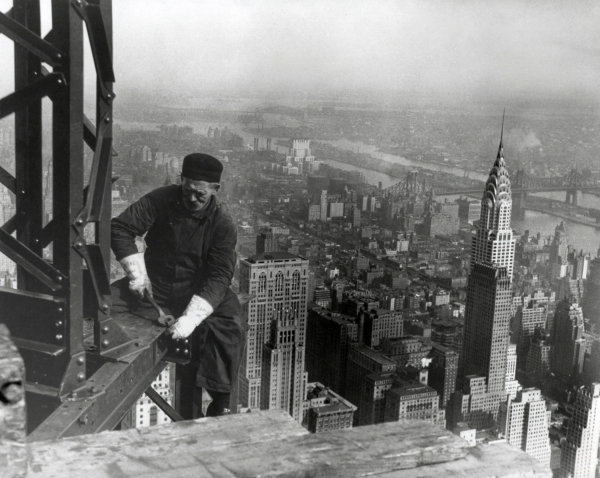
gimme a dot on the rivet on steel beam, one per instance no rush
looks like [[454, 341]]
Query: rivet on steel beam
[[105, 330], [186, 351], [79, 222], [80, 360], [59, 337], [185, 341], [177, 350], [60, 309], [107, 120], [105, 343], [80, 377], [59, 81], [59, 278], [23, 192], [58, 323], [58, 57], [78, 244], [12, 392], [104, 306]]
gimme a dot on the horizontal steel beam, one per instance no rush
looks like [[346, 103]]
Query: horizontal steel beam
[[113, 386]]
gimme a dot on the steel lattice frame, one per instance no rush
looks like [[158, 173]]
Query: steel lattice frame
[[72, 388]]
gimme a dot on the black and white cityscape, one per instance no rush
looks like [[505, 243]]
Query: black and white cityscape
[[416, 192]]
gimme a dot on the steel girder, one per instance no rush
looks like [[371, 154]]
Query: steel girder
[[121, 356]]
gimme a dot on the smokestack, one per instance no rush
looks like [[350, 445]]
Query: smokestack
[[268, 144], [256, 145]]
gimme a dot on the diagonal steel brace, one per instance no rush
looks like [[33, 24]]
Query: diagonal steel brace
[[91, 13], [34, 92], [44, 50], [8, 180], [98, 176], [30, 261]]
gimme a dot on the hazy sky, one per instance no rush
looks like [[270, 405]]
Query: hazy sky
[[492, 47]]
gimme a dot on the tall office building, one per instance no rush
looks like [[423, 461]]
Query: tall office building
[[363, 361], [300, 156], [493, 241], [276, 338], [328, 338], [591, 296], [528, 317], [569, 343], [483, 360], [442, 371], [524, 422], [579, 455], [283, 378]]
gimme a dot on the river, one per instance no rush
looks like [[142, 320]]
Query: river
[[581, 237]]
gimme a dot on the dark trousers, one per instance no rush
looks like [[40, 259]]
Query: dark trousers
[[218, 345]]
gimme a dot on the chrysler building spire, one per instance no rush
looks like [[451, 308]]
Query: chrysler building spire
[[494, 242]]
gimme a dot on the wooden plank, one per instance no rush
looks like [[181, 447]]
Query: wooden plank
[[272, 444], [13, 452], [498, 460]]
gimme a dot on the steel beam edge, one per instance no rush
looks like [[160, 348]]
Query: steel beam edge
[[111, 390]]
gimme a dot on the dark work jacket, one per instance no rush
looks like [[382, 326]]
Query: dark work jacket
[[190, 253], [187, 252]]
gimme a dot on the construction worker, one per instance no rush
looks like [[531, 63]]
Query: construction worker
[[187, 267]]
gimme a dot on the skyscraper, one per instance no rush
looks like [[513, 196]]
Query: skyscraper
[[276, 339], [493, 242], [579, 456], [483, 361], [524, 423], [569, 342]]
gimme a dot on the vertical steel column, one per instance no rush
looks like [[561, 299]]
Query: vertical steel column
[[67, 137], [28, 145]]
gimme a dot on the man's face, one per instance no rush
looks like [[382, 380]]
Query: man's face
[[196, 194]]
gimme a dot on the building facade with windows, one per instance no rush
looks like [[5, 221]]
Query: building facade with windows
[[277, 317]]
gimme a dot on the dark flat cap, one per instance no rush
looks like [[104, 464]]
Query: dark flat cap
[[202, 167]]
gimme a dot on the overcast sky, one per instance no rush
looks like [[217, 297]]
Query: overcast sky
[[494, 47]]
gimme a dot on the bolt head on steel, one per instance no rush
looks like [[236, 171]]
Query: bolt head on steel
[[107, 120], [80, 377], [104, 306], [186, 351], [59, 323], [79, 222], [105, 343], [105, 330], [80, 361], [59, 337], [177, 350], [12, 392]]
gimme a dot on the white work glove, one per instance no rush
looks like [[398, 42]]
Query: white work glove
[[197, 310], [135, 268]]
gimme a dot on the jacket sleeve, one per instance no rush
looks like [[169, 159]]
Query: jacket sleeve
[[220, 263], [134, 221]]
